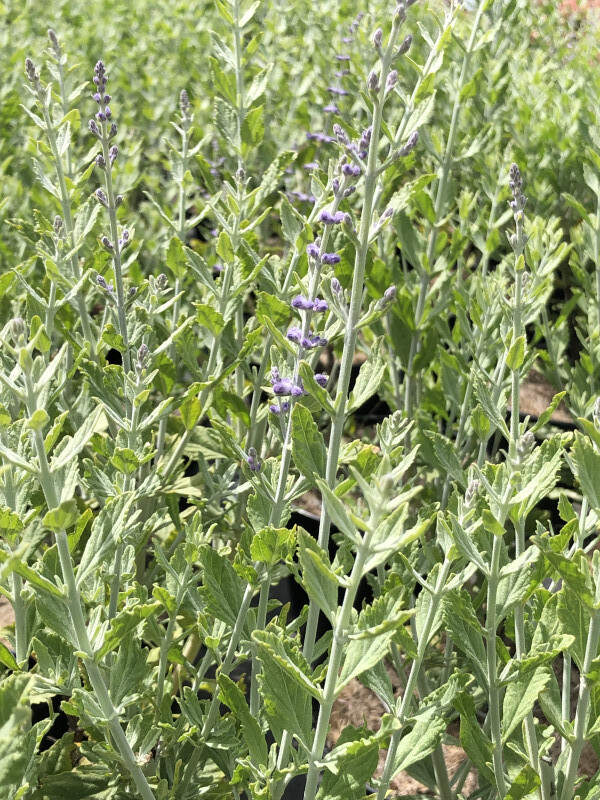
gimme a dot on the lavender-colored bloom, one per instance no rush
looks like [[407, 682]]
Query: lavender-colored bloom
[[390, 294], [252, 460], [294, 334], [336, 286], [101, 198], [97, 97], [410, 145], [331, 108], [113, 153], [332, 219], [100, 116], [302, 197], [112, 130], [282, 387], [321, 379], [107, 244], [342, 57], [351, 170], [340, 73], [365, 139], [311, 165], [320, 305], [297, 391], [218, 268], [162, 281], [330, 258], [282, 408], [302, 303], [101, 281], [184, 103], [335, 185], [337, 91], [377, 38], [350, 190], [346, 40], [275, 376], [340, 134], [100, 162], [93, 127], [392, 80], [312, 251], [373, 82], [32, 74]]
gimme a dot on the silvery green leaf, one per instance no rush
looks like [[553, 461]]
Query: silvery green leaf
[[71, 446]]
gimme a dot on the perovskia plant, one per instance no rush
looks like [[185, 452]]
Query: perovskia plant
[[324, 285]]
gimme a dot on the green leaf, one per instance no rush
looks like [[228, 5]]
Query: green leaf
[[575, 620], [516, 354], [251, 731], [209, 318], [125, 624], [520, 697], [370, 376], [445, 454], [272, 307], [253, 127], [271, 545], [318, 578], [337, 512], [349, 766], [585, 461], [421, 741], [462, 624], [191, 408], [222, 587], [15, 722], [176, 258], [62, 517], [308, 447], [285, 686], [71, 446], [524, 784], [125, 460], [490, 409], [38, 420], [291, 224], [474, 740]]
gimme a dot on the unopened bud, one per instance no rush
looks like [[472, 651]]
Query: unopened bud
[[471, 493], [377, 38]]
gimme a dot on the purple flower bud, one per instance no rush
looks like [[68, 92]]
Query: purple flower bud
[[330, 258], [311, 165], [101, 198], [365, 139], [100, 280], [97, 97], [347, 39], [301, 302], [93, 127], [108, 112], [321, 379], [252, 460], [31, 72], [341, 73], [320, 305], [351, 170], [113, 153], [377, 38], [184, 103], [161, 281], [274, 409], [390, 294], [100, 116], [107, 244], [373, 82], [343, 57], [297, 391], [350, 190], [335, 185], [275, 376], [336, 286], [112, 131], [405, 46], [392, 80], [331, 108], [107, 98], [294, 334], [100, 162], [337, 91], [118, 200], [313, 252], [96, 80], [410, 145]]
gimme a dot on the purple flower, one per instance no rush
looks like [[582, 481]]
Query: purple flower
[[320, 305], [390, 294], [330, 258], [337, 91], [346, 40], [343, 56], [283, 408], [352, 170], [309, 342], [321, 379], [335, 185], [332, 219], [405, 46], [301, 302], [331, 108], [282, 387], [113, 153], [336, 286], [365, 139], [340, 133], [97, 97], [312, 165], [341, 73], [392, 79], [252, 460], [297, 391], [411, 143], [312, 250], [377, 38], [349, 190], [93, 127], [100, 162], [294, 334]]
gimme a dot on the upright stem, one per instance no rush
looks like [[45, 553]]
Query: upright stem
[[439, 203], [415, 669], [494, 693], [74, 603]]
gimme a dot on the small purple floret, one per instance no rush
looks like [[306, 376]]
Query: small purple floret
[[330, 258], [312, 250], [352, 170], [320, 305], [321, 379], [301, 302]]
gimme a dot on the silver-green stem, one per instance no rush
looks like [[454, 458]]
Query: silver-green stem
[[166, 642], [583, 703], [74, 604], [65, 203], [494, 693], [411, 684], [439, 202]]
